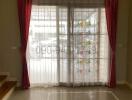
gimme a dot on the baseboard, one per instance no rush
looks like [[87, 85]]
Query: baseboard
[[18, 84], [5, 73], [11, 79], [129, 85], [14, 79], [121, 82], [124, 83]]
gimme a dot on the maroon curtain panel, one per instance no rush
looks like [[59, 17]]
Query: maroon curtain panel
[[111, 8], [24, 13]]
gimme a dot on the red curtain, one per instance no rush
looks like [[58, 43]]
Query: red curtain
[[24, 13], [111, 7]]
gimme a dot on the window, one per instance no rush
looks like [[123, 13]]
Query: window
[[67, 45]]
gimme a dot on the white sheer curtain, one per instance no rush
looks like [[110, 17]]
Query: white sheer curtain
[[67, 46]]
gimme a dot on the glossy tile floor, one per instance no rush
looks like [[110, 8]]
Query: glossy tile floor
[[122, 92]]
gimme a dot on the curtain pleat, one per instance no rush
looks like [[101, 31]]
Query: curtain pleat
[[24, 12], [111, 7]]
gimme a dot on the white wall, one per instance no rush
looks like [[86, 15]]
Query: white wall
[[129, 70], [9, 37], [122, 32]]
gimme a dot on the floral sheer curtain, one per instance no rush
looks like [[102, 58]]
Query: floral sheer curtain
[[89, 47], [67, 46]]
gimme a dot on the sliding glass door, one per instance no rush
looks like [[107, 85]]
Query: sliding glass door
[[67, 46], [89, 49]]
